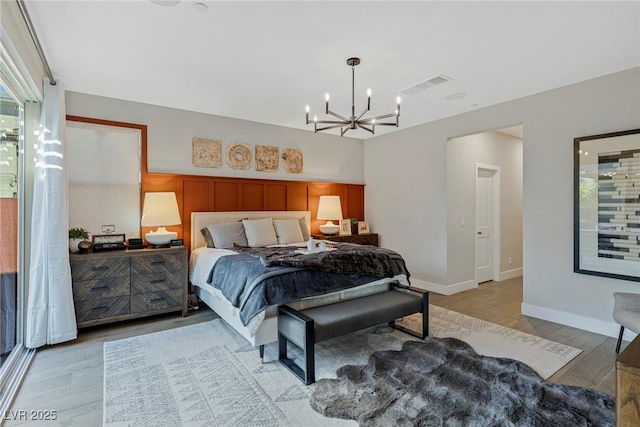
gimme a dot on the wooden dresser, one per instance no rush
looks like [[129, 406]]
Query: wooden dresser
[[120, 285], [361, 239], [628, 386]]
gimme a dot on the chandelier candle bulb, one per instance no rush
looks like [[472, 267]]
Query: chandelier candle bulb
[[307, 113]]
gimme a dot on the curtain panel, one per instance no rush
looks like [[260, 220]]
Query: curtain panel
[[50, 311]]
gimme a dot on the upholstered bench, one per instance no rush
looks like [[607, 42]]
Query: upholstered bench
[[306, 327]]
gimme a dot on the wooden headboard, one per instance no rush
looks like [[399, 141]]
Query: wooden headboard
[[200, 220], [225, 195]]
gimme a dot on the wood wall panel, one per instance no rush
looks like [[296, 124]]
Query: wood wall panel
[[297, 197], [226, 196], [275, 197], [196, 195], [353, 205], [220, 194], [252, 196]]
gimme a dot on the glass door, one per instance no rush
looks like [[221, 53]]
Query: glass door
[[11, 113]]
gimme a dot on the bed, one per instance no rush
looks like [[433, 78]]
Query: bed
[[262, 328]]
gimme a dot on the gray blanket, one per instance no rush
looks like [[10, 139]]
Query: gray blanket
[[346, 258], [257, 278]]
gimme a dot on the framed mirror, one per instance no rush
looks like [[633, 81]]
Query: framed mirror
[[104, 167]]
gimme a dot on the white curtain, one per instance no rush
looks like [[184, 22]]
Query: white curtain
[[50, 313]]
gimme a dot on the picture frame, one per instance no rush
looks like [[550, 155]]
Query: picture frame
[[606, 191], [345, 227], [363, 227]]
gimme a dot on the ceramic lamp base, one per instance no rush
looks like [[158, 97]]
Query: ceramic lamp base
[[329, 229], [161, 237]]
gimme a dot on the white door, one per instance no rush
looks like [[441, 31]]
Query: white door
[[484, 225]]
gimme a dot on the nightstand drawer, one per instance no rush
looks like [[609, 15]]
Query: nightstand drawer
[[141, 283], [92, 269], [102, 308], [158, 300], [156, 263], [86, 290]]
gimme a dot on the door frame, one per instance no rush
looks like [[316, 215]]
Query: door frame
[[495, 220]]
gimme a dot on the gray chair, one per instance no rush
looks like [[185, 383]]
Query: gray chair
[[626, 311]]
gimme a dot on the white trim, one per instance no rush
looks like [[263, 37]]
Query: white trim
[[16, 72], [495, 218], [18, 363], [610, 329], [443, 289], [510, 274]]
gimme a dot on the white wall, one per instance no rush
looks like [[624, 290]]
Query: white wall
[[170, 131], [505, 152], [406, 198]]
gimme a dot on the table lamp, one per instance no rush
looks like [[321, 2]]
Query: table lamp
[[329, 208], [160, 209]]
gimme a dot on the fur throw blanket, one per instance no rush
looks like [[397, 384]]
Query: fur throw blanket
[[443, 382]]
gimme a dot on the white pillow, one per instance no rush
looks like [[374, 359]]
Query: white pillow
[[225, 235], [260, 232], [288, 231]]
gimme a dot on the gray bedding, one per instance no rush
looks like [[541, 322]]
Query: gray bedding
[[256, 278]]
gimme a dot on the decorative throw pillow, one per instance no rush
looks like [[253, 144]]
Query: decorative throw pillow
[[288, 231], [260, 232], [227, 235], [207, 237], [304, 229]]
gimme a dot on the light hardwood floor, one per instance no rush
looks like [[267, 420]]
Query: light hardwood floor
[[68, 378]]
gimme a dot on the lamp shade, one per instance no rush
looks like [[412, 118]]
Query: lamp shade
[[160, 209], [329, 208]]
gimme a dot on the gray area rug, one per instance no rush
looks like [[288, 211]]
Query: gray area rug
[[207, 374], [443, 382]]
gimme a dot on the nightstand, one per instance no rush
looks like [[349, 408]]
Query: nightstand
[[360, 239], [120, 285]]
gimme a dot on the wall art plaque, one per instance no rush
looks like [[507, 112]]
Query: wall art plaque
[[239, 155], [207, 153], [266, 158], [293, 160]]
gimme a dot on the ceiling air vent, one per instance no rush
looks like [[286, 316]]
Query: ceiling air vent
[[426, 84]]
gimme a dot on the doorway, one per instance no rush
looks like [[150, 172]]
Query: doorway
[[487, 203]]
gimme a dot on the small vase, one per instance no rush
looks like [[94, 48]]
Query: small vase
[[354, 228], [84, 247]]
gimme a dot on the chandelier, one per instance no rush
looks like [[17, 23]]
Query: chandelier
[[354, 122]]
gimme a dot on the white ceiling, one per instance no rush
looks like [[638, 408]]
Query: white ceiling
[[264, 61]]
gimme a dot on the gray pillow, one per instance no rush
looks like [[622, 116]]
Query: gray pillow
[[304, 229], [227, 235], [207, 237]]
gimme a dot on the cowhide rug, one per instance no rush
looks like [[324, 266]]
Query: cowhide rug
[[443, 382]]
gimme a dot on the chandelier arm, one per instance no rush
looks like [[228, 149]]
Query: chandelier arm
[[334, 122], [362, 114], [383, 116], [339, 116], [330, 127], [365, 128], [386, 124]]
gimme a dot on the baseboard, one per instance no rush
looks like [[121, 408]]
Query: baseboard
[[510, 274], [610, 329], [443, 289]]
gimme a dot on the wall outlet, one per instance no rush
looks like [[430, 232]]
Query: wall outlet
[[509, 260]]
